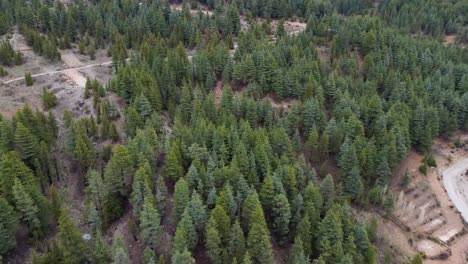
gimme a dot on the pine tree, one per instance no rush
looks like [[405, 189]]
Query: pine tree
[[181, 199], [267, 193], [118, 170], [138, 188], [25, 143], [330, 235], [227, 201], [186, 235], [297, 252], [192, 176], [8, 224], [70, 241], [349, 168], [323, 145], [26, 206], [161, 195], [247, 259], [83, 149], [143, 106], [174, 169], [197, 211], [150, 229], [183, 257], [101, 250], [304, 232], [237, 241], [120, 257], [383, 170], [11, 168], [28, 79], [49, 100], [250, 204], [223, 223], [313, 202], [149, 257], [281, 214], [116, 176], [280, 31], [258, 244], [95, 191], [119, 250], [6, 137], [327, 188], [56, 202], [213, 242]]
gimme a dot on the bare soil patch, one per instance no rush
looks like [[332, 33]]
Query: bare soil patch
[[424, 208], [450, 39]]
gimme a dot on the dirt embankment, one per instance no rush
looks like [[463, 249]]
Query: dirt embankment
[[426, 209]]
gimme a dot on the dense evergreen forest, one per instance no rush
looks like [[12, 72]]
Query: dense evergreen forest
[[234, 140]]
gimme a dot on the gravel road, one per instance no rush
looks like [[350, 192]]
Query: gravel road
[[456, 184]]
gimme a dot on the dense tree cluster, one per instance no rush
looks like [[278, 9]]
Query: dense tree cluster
[[222, 139], [431, 17], [27, 168], [8, 56]]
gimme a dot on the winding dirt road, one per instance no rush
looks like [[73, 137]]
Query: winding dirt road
[[60, 71]]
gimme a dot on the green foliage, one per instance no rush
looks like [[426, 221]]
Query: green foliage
[[174, 169], [417, 259], [8, 226], [423, 168], [25, 143], [213, 242], [281, 214], [101, 252], [3, 72], [119, 250], [27, 207], [183, 257], [297, 253], [181, 199], [258, 244], [354, 87], [70, 240], [28, 79], [406, 179], [116, 176], [429, 160], [8, 56], [49, 100], [91, 51], [150, 229]]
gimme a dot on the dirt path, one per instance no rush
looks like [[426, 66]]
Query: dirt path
[[64, 71], [456, 184]]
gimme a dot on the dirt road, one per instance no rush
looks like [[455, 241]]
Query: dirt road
[[456, 184], [61, 71]]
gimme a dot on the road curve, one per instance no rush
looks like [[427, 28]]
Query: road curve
[[454, 184]]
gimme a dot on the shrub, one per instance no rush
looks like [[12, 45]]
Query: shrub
[[458, 143], [28, 79], [49, 100], [3, 72], [423, 168], [430, 161], [91, 50], [405, 180]]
